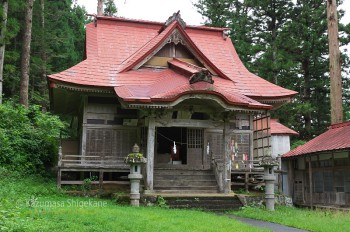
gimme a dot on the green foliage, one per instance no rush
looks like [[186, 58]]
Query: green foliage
[[135, 158], [53, 211], [297, 143], [28, 138], [110, 8], [87, 185], [161, 202], [286, 43], [310, 220], [58, 42], [242, 191]]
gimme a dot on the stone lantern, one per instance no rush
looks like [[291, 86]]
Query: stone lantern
[[269, 177], [135, 160]]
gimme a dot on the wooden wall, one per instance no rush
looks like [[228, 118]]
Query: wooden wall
[[330, 175]]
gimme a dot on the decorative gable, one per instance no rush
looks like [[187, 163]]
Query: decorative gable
[[193, 72], [175, 46]]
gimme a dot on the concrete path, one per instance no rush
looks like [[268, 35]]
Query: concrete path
[[266, 225]]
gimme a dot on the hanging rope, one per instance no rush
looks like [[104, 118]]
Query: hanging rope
[[170, 140]]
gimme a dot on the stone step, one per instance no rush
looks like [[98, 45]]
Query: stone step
[[185, 191], [184, 177], [200, 200], [209, 203], [183, 182], [171, 187], [182, 172], [219, 208]]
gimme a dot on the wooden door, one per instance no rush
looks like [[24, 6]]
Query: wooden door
[[195, 140]]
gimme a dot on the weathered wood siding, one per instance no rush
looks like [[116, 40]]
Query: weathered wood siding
[[330, 179]]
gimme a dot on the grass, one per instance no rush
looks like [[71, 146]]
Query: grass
[[34, 204], [311, 220]]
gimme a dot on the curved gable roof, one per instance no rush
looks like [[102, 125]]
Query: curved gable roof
[[115, 45]]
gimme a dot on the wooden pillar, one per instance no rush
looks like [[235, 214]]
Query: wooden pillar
[[150, 153], [280, 182], [246, 180], [84, 131], [310, 183], [227, 163], [59, 178], [280, 175], [291, 178], [59, 172], [100, 180]]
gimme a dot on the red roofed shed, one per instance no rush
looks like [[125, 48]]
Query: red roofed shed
[[160, 84], [329, 172]]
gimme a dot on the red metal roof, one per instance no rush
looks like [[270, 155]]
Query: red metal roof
[[166, 85], [280, 129], [337, 137], [115, 45]]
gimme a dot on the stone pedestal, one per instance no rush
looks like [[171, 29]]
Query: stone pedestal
[[269, 177], [269, 188], [135, 160], [135, 178]]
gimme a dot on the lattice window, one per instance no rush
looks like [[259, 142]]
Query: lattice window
[[347, 181], [216, 144], [262, 135], [194, 138], [318, 182], [109, 142], [328, 181], [240, 146]]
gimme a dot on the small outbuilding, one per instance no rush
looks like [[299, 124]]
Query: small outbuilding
[[319, 171], [280, 138]]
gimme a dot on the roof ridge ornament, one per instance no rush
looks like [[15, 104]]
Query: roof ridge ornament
[[175, 17], [202, 76]]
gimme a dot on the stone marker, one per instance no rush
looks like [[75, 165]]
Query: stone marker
[[135, 160]]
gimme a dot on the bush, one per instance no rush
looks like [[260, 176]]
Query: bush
[[28, 138]]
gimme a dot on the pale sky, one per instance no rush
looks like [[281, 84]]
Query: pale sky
[[160, 10], [153, 10]]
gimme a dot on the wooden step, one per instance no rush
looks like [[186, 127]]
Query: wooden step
[[184, 180]]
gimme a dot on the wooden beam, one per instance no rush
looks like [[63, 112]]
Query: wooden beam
[[208, 124], [100, 180], [150, 152], [334, 63], [310, 183], [290, 178], [246, 180], [227, 158], [59, 178], [83, 135]]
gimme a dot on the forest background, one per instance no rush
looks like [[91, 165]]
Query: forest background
[[283, 41]]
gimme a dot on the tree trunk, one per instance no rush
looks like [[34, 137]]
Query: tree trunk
[[43, 50], [334, 63], [100, 7], [2, 44], [25, 61]]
